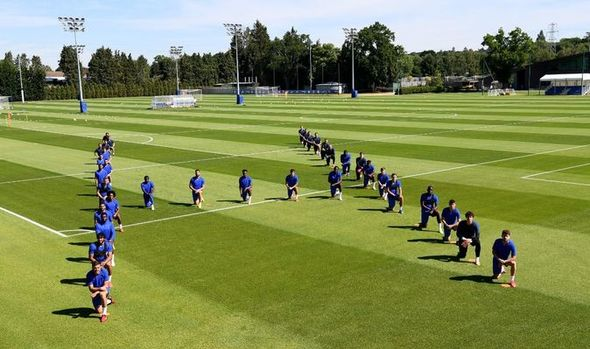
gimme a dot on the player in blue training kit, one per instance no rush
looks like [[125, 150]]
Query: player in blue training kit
[[291, 182], [245, 187], [345, 161], [394, 193], [101, 252], [361, 162], [197, 187], [103, 188], [99, 285], [369, 175], [468, 235], [112, 205], [302, 132], [105, 226], [504, 251], [382, 179], [102, 209], [429, 208], [335, 180], [451, 216], [148, 188], [329, 153]]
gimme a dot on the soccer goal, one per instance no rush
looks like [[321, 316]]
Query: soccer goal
[[4, 103], [173, 101], [197, 93], [266, 91]]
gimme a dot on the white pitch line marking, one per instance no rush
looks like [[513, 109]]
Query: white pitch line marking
[[86, 232], [37, 224], [553, 171], [556, 181]]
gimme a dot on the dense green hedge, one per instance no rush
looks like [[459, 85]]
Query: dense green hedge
[[422, 89], [150, 88]]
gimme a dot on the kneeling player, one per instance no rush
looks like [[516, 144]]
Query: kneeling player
[[394, 193], [468, 234], [197, 186], [98, 283], [335, 180], [345, 160], [147, 188], [101, 252], [504, 252], [291, 182], [245, 186], [451, 216], [382, 179]]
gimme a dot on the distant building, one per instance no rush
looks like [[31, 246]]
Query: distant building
[[563, 65], [55, 77]]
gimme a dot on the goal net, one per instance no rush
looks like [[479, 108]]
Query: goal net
[[265, 91], [4, 103], [173, 101], [197, 93]]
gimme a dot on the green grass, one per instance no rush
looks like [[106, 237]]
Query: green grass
[[317, 273]]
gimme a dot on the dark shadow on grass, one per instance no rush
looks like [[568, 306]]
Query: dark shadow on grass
[[321, 165], [232, 201], [367, 197], [76, 281], [79, 243], [88, 209], [409, 227], [78, 259], [88, 178], [185, 204], [322, 197], [444, 258], [134, 206], [278, 199], [87, 228], [431, 241], [75, 313], [382, 210], [87, 194], [485, 279]]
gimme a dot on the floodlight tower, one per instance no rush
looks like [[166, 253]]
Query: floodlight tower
[[309, 42], [20, 75], [176, 52], [352, 34], [74, 25], [235, 30]]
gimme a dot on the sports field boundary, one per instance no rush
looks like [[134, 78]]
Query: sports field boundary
[[37, 224]]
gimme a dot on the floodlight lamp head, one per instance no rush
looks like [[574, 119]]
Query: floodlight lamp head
[[233, 28], [72, 24]]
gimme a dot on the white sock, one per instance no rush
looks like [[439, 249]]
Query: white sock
[[104, 310], [512, 278]]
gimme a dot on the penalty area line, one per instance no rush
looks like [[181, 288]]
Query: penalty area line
[[37, 224]]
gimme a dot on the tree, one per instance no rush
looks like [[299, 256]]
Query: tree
[[256, 51], [67, 64], [142, 70], [9, 84], [325, 59], [102, 67], [507, 52], [163, 68]]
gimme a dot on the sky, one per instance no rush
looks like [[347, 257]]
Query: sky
[[150, 27]]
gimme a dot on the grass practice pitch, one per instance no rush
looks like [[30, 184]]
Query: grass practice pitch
[[310, 274]]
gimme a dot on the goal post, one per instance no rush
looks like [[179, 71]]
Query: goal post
[[5, 103], [173, 101], [197, 93], [266, 91]]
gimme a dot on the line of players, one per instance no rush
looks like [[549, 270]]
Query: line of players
[[101, 252], [390, 189]]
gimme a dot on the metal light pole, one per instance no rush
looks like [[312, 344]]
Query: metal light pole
[[176, 52], [20, 74], [76, 24], [310, 68], [352, 34], [234, 30]]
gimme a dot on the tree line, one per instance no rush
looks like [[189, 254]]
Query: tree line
[[284, 61]]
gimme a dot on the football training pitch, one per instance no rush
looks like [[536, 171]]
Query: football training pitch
[[309, 274]]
